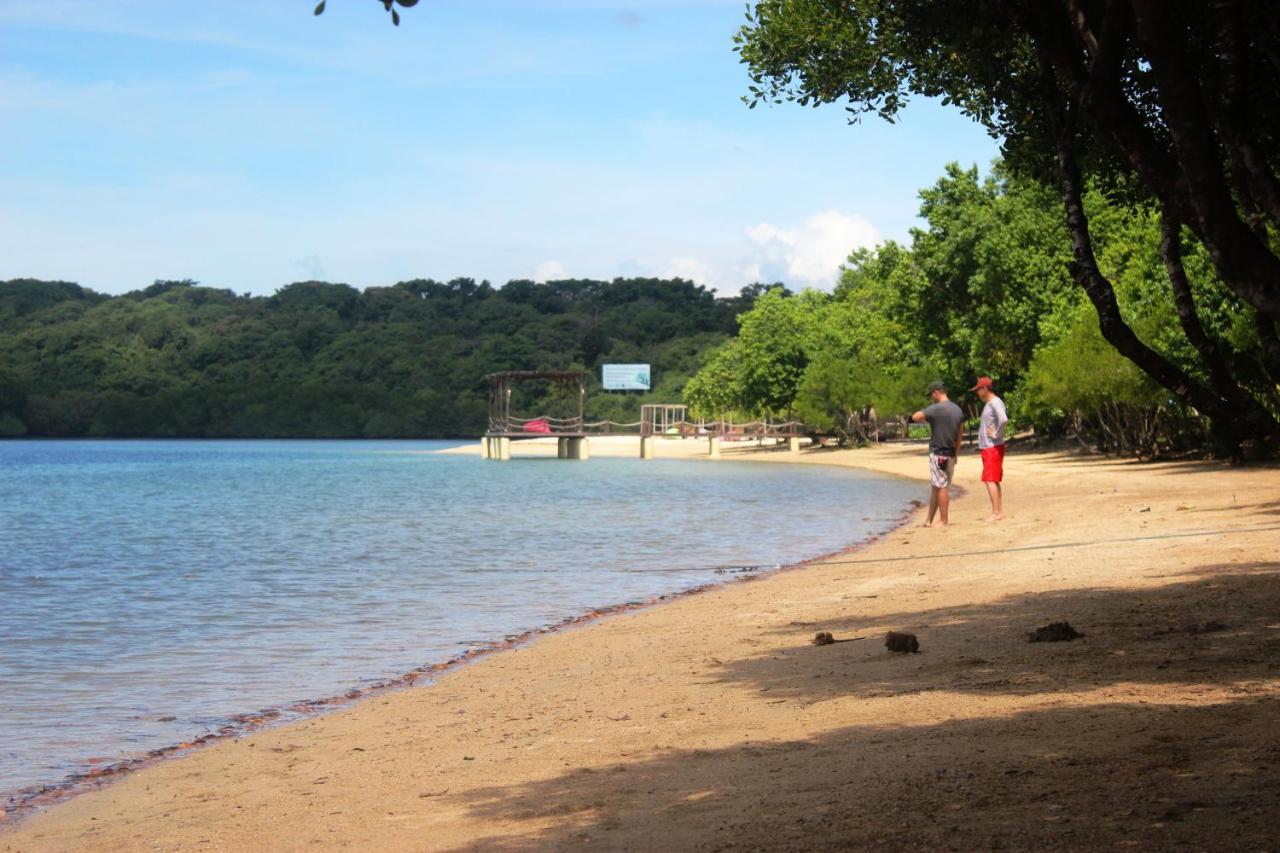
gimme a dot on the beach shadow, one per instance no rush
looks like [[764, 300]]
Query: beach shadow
[[1074, 756], [1147, 777], [1268, 508], [1215, 628], [1182, 467]]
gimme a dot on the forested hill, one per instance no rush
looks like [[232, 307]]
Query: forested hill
[[327, 360]]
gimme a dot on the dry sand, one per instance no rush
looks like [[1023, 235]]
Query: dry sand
[[712, 723]]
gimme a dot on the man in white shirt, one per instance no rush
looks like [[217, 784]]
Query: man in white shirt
[[991, 444]]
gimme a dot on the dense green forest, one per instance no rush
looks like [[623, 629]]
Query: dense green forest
[[328, 360], [984, 288]]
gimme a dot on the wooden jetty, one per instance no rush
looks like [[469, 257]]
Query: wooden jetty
[[573, 432]]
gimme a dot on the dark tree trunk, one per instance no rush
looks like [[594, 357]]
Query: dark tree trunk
[[1210, 354], [1247, 264], [1243, 263], [1270, 341], [1261, 423], [1254, 179], [1084, 269]]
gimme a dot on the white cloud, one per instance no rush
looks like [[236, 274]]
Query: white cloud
[[812, 253], [550, 271], [695, 270]]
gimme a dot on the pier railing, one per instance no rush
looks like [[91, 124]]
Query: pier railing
[[576, 427]]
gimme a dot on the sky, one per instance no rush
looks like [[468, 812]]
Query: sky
[[249, 144]]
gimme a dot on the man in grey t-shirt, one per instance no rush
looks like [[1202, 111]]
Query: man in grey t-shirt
[[946, 420]]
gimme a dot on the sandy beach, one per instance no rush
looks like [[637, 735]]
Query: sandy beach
[[712, 723]]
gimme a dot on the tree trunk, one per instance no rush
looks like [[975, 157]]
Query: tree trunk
[[1244, 264], [1266, 328], [1261, 423], [1084, 269], [1255, 180], [1240, 258]]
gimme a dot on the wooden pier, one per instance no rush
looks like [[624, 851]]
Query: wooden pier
[[573, 433]]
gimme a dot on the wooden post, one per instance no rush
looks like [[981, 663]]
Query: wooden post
[[793, 444], [484, 447], [714, 446]]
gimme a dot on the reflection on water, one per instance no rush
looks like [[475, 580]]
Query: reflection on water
[[149, 590]]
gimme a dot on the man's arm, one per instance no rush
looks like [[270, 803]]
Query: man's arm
[[959, 437], [918, 417]]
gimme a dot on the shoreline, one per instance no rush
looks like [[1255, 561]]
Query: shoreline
[[23, 803], [713, 721]]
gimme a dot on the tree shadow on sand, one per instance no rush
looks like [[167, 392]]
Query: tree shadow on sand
[[1142, 777], [1109, 770], [1218, 628]]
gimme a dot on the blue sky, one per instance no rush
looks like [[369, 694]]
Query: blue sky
[[248, 144]]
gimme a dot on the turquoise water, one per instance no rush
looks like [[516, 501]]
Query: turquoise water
[[150, 590]]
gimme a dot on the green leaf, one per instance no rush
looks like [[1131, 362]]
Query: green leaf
[[395, 17], [320, 7]]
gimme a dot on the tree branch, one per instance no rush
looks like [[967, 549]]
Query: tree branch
[[1211, 353], [1251, 173], [1244, 264], [1270, 341], [1248, 266]]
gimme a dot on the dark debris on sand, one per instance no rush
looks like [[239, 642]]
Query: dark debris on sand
[[1054, 632], [896, 641]]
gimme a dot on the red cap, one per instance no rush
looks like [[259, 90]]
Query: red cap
[[983, 382]]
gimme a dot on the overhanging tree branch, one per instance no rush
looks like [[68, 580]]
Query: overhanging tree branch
[[1248, 266], [1195, 191]]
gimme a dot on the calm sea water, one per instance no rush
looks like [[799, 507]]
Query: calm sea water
[[149, 590]]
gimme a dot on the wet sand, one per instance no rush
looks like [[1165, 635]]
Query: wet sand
[[711, 722]]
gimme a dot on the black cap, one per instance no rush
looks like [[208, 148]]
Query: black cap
[[937, 385]]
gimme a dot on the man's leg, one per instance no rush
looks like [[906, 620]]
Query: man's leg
[[933, 505], [997, 501], [944, 506], [997, 509]]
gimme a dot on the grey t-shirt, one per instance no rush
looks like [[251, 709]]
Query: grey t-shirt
[[993, 417], [944, 422]]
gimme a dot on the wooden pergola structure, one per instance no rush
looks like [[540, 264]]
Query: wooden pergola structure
[[506, 426], [664, 419]]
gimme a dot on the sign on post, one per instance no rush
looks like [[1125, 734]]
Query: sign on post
[[625, 377]]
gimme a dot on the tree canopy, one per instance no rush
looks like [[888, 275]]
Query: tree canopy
[[1169, 105], [984, 289], [318, 359]]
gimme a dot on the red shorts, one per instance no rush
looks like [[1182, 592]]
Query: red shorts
[[993, 464]]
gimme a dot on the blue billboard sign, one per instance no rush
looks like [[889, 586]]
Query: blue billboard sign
[[625, 377]]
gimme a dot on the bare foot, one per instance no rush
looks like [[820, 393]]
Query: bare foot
[[927, 524], [995, 517]]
